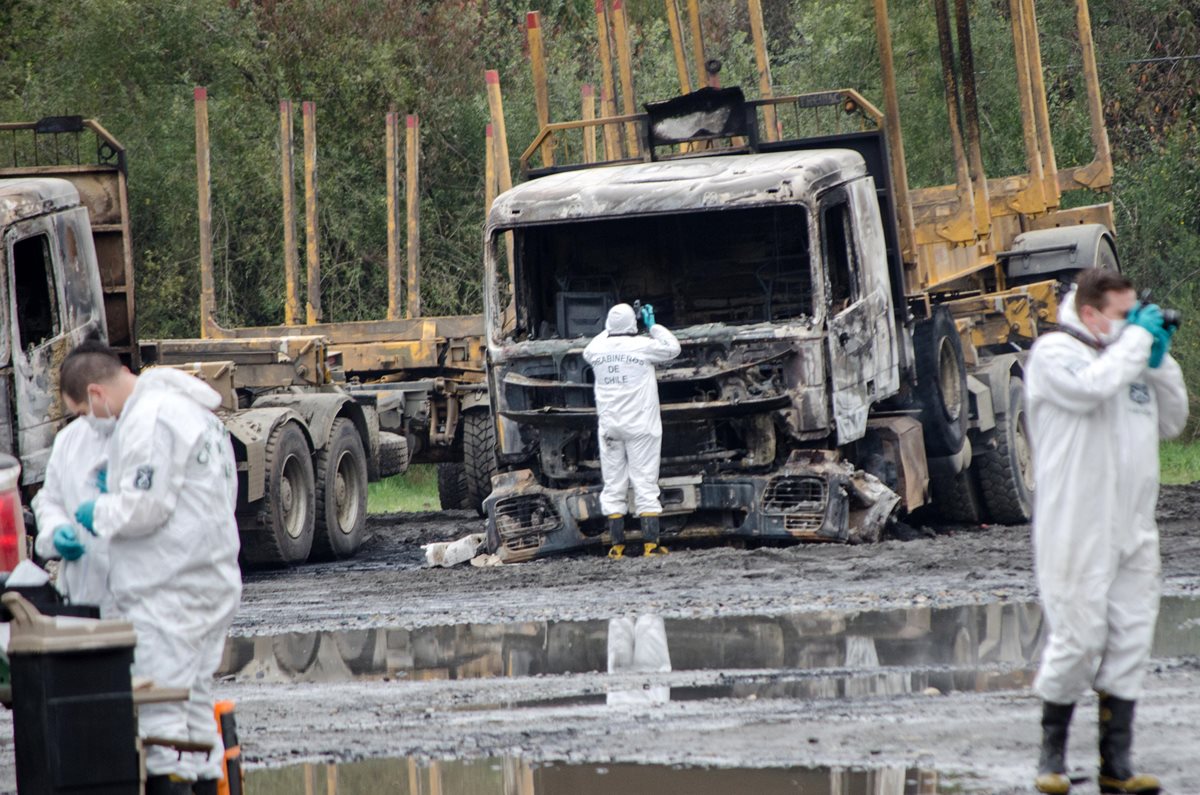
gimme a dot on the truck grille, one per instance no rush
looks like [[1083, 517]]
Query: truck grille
[[787, 494], [524, 521]]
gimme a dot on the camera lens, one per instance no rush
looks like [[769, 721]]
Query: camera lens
[[1172, 318]]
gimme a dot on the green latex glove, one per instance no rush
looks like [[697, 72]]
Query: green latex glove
[[1148, 316], [85, 514], [1161, 346], [648, 315], [102, 481], [67, 543]]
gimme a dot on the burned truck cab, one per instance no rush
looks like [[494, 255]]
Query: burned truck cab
[[770, 268]]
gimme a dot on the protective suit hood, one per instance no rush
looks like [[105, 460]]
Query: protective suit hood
[[179, 382], [1068, 315], [621, 320]]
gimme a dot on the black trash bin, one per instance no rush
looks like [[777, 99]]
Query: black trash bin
[[74, 725]]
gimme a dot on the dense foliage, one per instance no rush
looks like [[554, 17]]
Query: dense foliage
[[133, 63]]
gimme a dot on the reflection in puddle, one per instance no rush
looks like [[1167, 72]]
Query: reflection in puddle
[[1003, 637], [515, 777]]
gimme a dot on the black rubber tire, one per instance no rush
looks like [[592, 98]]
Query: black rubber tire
[[393, 454], [941, 384], [341, 493], [1005, 473], [452, 485], [279, 536], [956, 499], [479, 457]]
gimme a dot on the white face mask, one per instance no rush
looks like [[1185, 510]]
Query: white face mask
[[1115, 327], [101, 425]]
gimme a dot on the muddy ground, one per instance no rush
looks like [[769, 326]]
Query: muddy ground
[[780, 688]]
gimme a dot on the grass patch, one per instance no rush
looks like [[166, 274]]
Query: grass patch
[[1179, 462], [415, 490]]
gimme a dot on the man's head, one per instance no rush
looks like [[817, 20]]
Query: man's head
[[621, 320], [94, 382], [1101, 297]]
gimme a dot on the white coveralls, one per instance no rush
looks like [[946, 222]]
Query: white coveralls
[[1096, 418], [638, 646], [78, 456], [174, 543], [627, 406]]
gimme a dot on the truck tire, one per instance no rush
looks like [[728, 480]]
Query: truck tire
[[479, 457], [1006, 473], [283, 533], [941, 384], [341, 495], [452, 485], [956, 498], [393, 454]]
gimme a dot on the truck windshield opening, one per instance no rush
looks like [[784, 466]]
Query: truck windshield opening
[[733, 266]]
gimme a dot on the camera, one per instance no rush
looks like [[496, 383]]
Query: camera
[[1172, 318]]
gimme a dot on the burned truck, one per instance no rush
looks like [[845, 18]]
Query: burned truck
[[851, 349]]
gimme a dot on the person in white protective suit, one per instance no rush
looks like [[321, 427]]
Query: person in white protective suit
[[173, 540], [75, 474], [638, 645], [630, 429], [1101, 393]]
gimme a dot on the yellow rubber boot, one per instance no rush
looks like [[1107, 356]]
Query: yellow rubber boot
[[652, 548], [616, 535], [616, 551], [1117, 774], [1052, 776]]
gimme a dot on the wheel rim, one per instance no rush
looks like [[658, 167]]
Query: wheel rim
[[949, 380], [292, 494], [347, 492], [1023, 452]]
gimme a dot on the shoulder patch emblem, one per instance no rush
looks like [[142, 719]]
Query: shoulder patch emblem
[[1139, 393], [144, 478]]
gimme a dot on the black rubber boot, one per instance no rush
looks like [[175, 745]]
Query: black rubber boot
[[1052, 766], [166, 785], [205, 786], [650, 529], [616, 536], [1116, 750]]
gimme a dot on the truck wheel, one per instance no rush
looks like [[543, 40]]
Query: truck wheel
[[393, 454], [284, 532], [452, 485], [341, 493], [941, 384], [1006, 473], [956, 498], [479, 457]]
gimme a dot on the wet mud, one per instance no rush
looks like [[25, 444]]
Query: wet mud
[[902, 667]]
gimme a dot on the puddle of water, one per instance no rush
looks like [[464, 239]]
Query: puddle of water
[[510, 776], [1008, 636]]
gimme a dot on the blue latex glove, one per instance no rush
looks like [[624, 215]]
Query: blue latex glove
[[648, 315], [85, 514], [67, 543], [102, 481], [1148, 316], [1162, 344]]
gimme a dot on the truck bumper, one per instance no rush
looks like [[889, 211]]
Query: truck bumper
[[813, 498]]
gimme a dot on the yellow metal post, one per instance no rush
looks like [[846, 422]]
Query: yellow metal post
[[763, 62], [1032, 201], [966, 52], [608, 89], [621, 31], [204, 208], [1100, 172], [392, 147], [589, 113], [313, 310], [412, 202], [291, 258], [503, 164], [960, 227], [895, 139], [1040, 109], [685, 83], [698, 43], [541, 89], [489, 171], [612, 132]]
